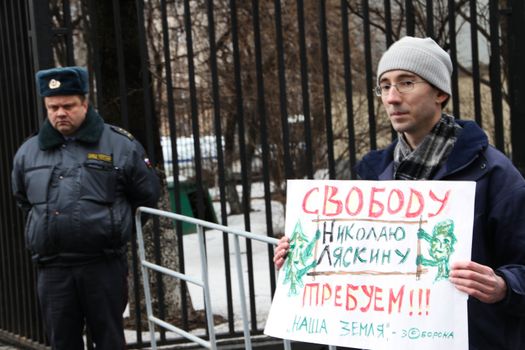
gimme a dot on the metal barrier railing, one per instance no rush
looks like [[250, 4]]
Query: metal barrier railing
[[203, 282]]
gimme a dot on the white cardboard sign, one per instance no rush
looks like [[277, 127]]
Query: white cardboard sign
[[369, 262]]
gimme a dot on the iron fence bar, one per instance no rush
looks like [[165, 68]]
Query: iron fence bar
[[409, 17], [240, 113], [24, 71], [475, 62], [194, 108], [348, 89], [35, 110], [495, 75], [148, 108], [369, 82], [220, 161], [240, 118], [227, 273], [388, 23], [261, 108], [326, 89], [453, 57], [40, 23], [430, 18], [146, 82], [4, 271], [239, 108], [305, 90], [18, 104], [13, 296], [125, 124], [124, 115], [288, 167], [389, 41], [286, 138], [174, 156], [3, 237], [17, 59], [516, 85], [94, 55], [5, 287], [174, 153], [66, 10]]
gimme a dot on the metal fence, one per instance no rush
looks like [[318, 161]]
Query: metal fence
[[282, 89], [19, 316], [202, 282]]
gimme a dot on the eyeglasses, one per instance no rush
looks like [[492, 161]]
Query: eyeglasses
[[402, 87]]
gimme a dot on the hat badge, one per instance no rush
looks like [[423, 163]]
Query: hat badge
[[54, 84]]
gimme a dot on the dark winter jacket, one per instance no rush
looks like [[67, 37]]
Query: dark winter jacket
[[499, 230], [80, 193]]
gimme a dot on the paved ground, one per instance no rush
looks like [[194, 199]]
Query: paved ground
[[4, 346]]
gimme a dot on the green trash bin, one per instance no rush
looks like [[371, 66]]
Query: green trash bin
[[188, 195]]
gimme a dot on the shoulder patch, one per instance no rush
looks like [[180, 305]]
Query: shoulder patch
[[122, 132]]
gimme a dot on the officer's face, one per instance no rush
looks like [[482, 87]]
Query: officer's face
[[66, 113]]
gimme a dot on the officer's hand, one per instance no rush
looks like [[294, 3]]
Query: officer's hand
[[280, 252], [421, 234], [479, 281]]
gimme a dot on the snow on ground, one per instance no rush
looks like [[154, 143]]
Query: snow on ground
[[216, 265]]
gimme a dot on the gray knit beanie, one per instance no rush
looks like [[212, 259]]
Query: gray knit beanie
[[423, 57]]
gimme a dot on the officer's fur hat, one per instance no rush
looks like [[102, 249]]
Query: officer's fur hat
[[63, 81]]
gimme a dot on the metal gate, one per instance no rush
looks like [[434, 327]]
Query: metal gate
[[232, 98]]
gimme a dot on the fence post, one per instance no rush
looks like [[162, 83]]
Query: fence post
[[42, 45], [517, 81], [40, 17]]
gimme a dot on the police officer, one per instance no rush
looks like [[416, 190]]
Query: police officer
[[80, 180]]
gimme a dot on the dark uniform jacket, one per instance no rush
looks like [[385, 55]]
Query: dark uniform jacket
[[498, 235], [80, 193]]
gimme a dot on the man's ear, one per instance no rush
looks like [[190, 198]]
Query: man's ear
[[441, 97]]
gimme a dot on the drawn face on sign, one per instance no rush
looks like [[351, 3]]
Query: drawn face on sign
[[443, 240], [441, 246]]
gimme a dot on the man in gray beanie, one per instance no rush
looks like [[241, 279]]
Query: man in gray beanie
[[79, 181], [413, 82]]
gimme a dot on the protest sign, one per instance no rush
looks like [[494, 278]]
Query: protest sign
[[369, 262]]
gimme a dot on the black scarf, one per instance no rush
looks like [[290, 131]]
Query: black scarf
[[427, 158]]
